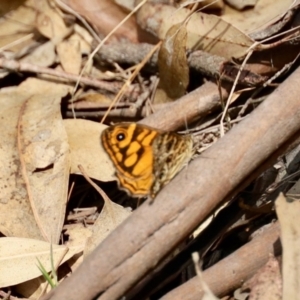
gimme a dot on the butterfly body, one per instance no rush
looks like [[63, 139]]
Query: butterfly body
[[145, 158]]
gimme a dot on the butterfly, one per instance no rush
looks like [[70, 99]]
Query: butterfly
[[145, 158]]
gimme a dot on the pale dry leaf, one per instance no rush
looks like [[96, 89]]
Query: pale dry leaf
[[16, 218], [93, 97], [240, 295], [44, 149], [19, 259], [37, 287], [78, 236], [3, 73], [86, 149], [204, 32], [288, 211], [70, 56], [238, 4], [208, 220], [110, 217], [103, 75], [33, 86], [208, 4], [126, 4], [40, 183], [50, 23], [250, 20], [17, 28], [43, 56], [173, 65], [84, 38]]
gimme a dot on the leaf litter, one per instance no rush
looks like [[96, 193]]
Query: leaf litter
[[49, 129]]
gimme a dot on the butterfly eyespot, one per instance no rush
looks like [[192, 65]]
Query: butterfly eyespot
[[120, 137]]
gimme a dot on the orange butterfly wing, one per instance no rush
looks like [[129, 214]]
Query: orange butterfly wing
[[129, 146]]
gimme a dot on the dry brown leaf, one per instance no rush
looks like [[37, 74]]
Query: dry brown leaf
[[86, 149], [8, 6], [18, 33], [33, 161], [43, 56], [264, 12], [204, 32], [173, 65], [50, 23], [70, 56], [288, 211], [105, 15], [110, 217]]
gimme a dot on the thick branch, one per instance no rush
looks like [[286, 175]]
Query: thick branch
[[236, 268], [195, 105]]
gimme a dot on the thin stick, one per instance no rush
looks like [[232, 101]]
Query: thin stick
[[250, 51], [104, 40], [130, 79], [16, 66]]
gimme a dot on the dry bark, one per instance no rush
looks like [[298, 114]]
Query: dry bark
[[205, 63], [194, 105]]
